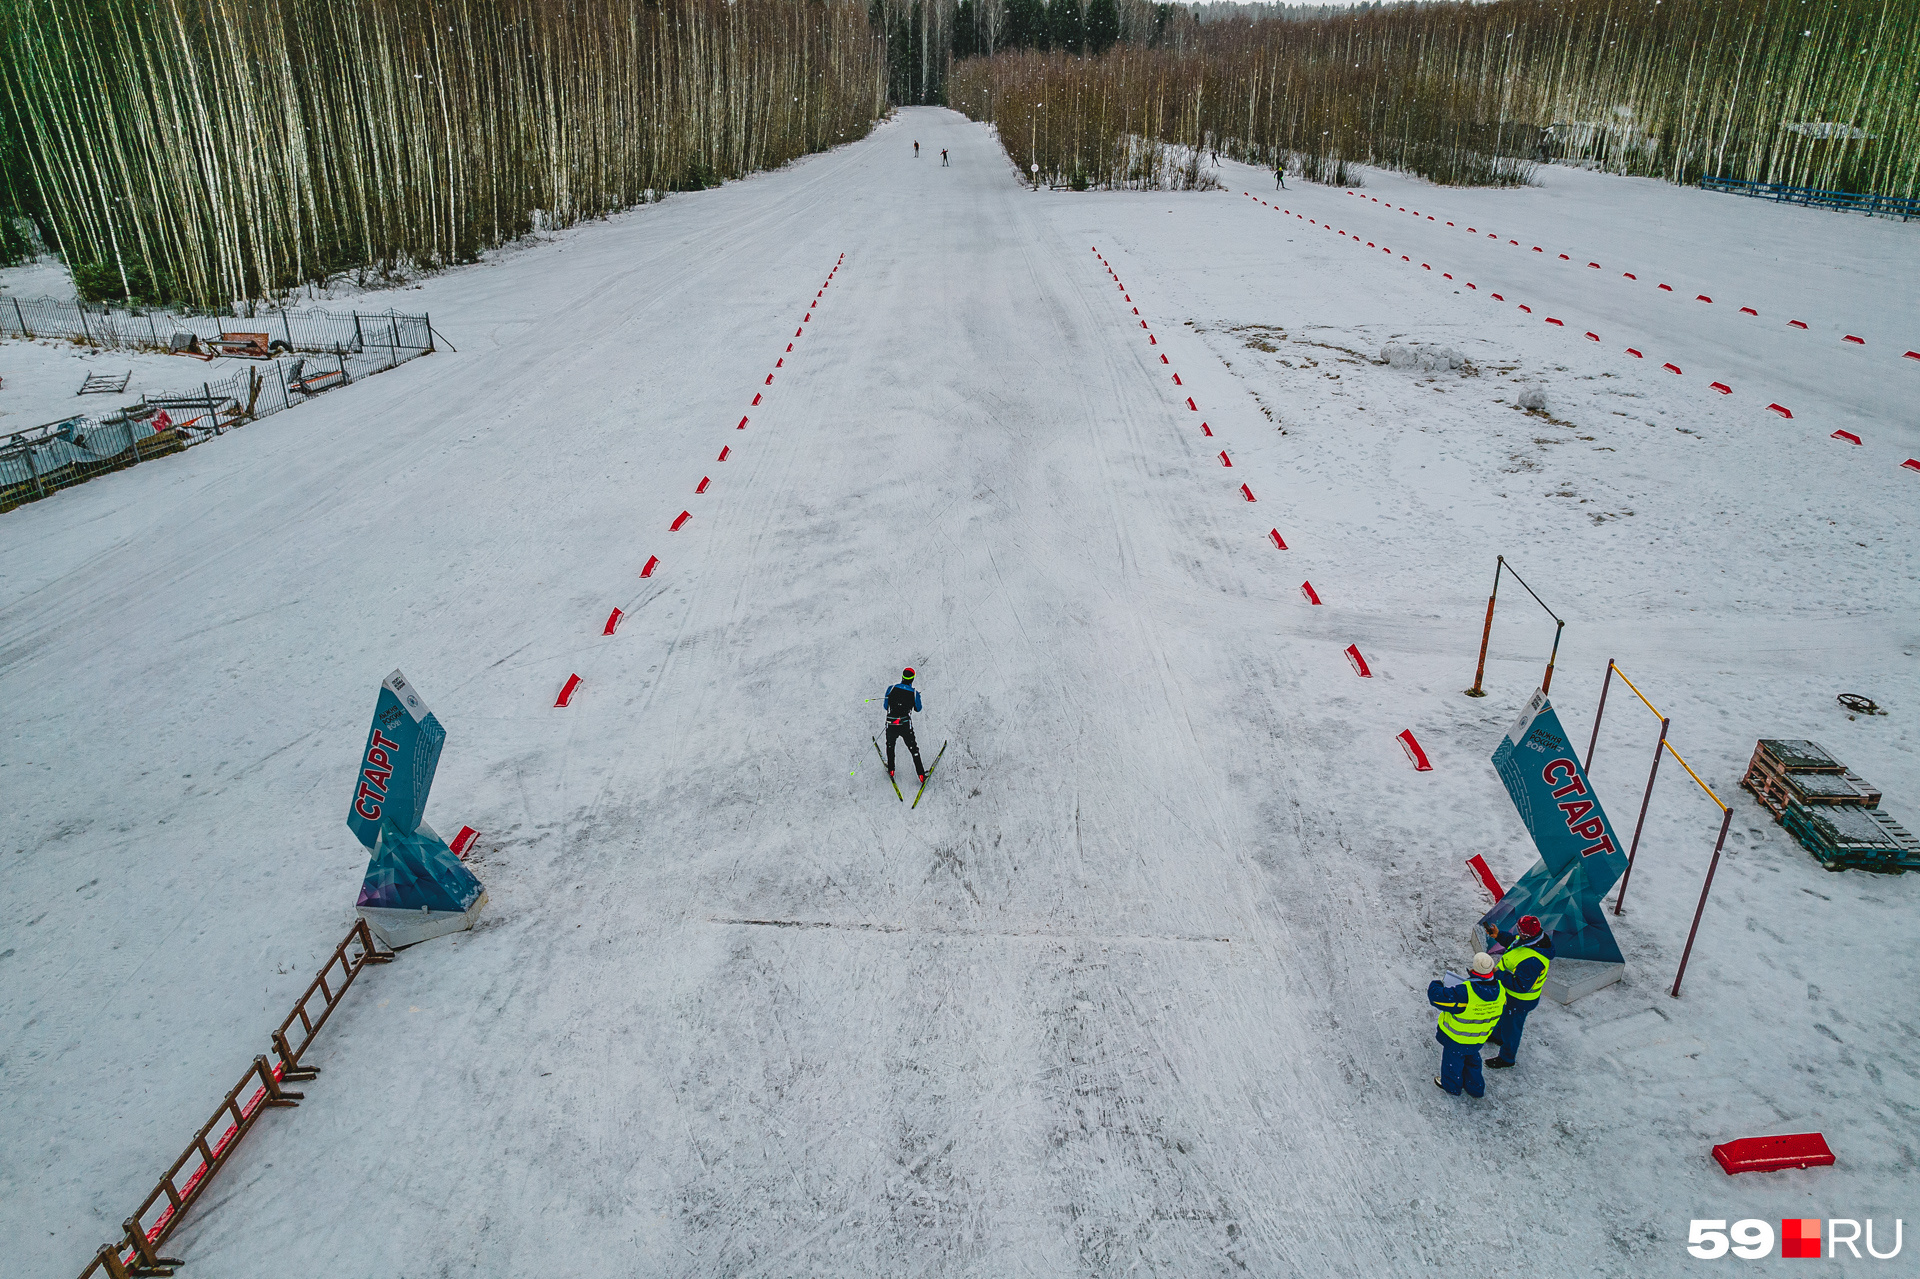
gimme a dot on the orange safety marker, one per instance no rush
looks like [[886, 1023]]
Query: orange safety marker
[[1851, 338], [566, 694], [1224, 459], [1359, 663], [701, 487], [678, 520], [463, 842], [613, 620], [1306, 589], [726, 449], [1721, 387], [1848, 436], [653, 562], [1782, 410], [1248, 493]]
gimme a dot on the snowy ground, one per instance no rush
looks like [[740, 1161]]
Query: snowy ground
[[1139, 987]]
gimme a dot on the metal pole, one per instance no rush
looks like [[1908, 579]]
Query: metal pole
[[286, 328], [1642, 821], [1712, 866], [1598, 711], [1547, 682], [82, 308], [23, 319], [1486, 632]]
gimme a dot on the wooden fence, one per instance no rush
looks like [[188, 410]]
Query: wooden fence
[[136, 1253]]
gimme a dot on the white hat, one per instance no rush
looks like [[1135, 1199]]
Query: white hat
[[1483, 964]]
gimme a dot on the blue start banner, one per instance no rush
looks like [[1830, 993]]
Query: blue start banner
[[1580, 858], [397, 766]]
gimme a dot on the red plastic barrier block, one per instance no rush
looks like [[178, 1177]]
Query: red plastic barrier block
[[1205, 429], [796, 333], [779, 363], [1782, 410], [1630, 275], [723, 453], [1224, 459], [1498, 298], [1667, 287], [1425, 267], [1551, 320], [1747, 310], [1446, 275], [653, 562], [769, 381], [1412, 747], [1143, 323], [1635, 354], [742, 426], [1911, 464], [1855, 340], [678, 520], [1797, 324], [1913, 355], [1848, 436], [756, 400], [1526, 308], [1671, 368], [701, 487], [566, 694], [1478, 865], [1359, 663], [1721, 387], [1405, 258], [1164, 360], [1593, 337], [613, 620], [1306, 589], [1538, 249], [463, 842], [1248, 493], [1470, 285], [1191, 405], [1594, 265], [789, 348], [1565, 258], [807, 318], [1176, 377], [1152, 340], [1770, 1154], [1701, 297]]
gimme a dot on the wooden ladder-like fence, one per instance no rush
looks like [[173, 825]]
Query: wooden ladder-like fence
[[137, 1253]]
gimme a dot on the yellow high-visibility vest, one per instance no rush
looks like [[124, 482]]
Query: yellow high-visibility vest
[[1518, 954], [1473, 1024]]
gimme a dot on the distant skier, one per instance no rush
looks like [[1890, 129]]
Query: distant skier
[[1279, 178], [916, 148], [902, 701], [943, 159]]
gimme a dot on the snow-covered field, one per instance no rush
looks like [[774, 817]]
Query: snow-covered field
[[1139, 987]]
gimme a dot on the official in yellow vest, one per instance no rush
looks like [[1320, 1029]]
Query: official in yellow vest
[[1522, 968], [1468, 1014]]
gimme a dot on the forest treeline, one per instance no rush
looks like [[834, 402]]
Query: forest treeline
[[214, 150], [1822, 93]]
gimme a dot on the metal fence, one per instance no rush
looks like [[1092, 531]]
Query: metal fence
[[1884, 206], [156, 330], [339, 350]]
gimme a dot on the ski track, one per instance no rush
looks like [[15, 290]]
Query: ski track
[[1138, 988]]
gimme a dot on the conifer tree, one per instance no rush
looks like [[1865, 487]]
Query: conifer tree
[[1065, 26], [1103, 25]]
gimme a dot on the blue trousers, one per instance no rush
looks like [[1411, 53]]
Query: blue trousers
[[1460, 1065], [1513, 1020]]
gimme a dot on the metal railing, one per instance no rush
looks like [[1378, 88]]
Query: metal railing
[[155, 330], [338, 349], [137, 1251], [1883, 206]]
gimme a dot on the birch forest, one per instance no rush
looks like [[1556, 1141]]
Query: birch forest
[[209, 151], [1821, 93]]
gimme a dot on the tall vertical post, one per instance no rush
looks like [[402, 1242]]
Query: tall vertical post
[[1486, 632], [1658, 749], [1725, 822], [1546, 681], [1600, 710], [286, 328], [81, 307], [22, 318]]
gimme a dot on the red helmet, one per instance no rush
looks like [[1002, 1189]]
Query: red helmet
[[1529, 926]]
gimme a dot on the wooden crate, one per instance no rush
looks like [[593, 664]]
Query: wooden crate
[[1853, 838]]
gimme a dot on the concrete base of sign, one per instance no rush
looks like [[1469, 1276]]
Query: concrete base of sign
[[397, 928], [1569, 979]]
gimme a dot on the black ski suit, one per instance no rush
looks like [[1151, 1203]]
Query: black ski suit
[[902, 702]]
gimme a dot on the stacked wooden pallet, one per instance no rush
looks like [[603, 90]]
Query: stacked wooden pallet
[[1833, 812]]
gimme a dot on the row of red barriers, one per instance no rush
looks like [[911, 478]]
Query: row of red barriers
[[1359, 663], [1629, 275], [1721, 387], [685, 517]]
